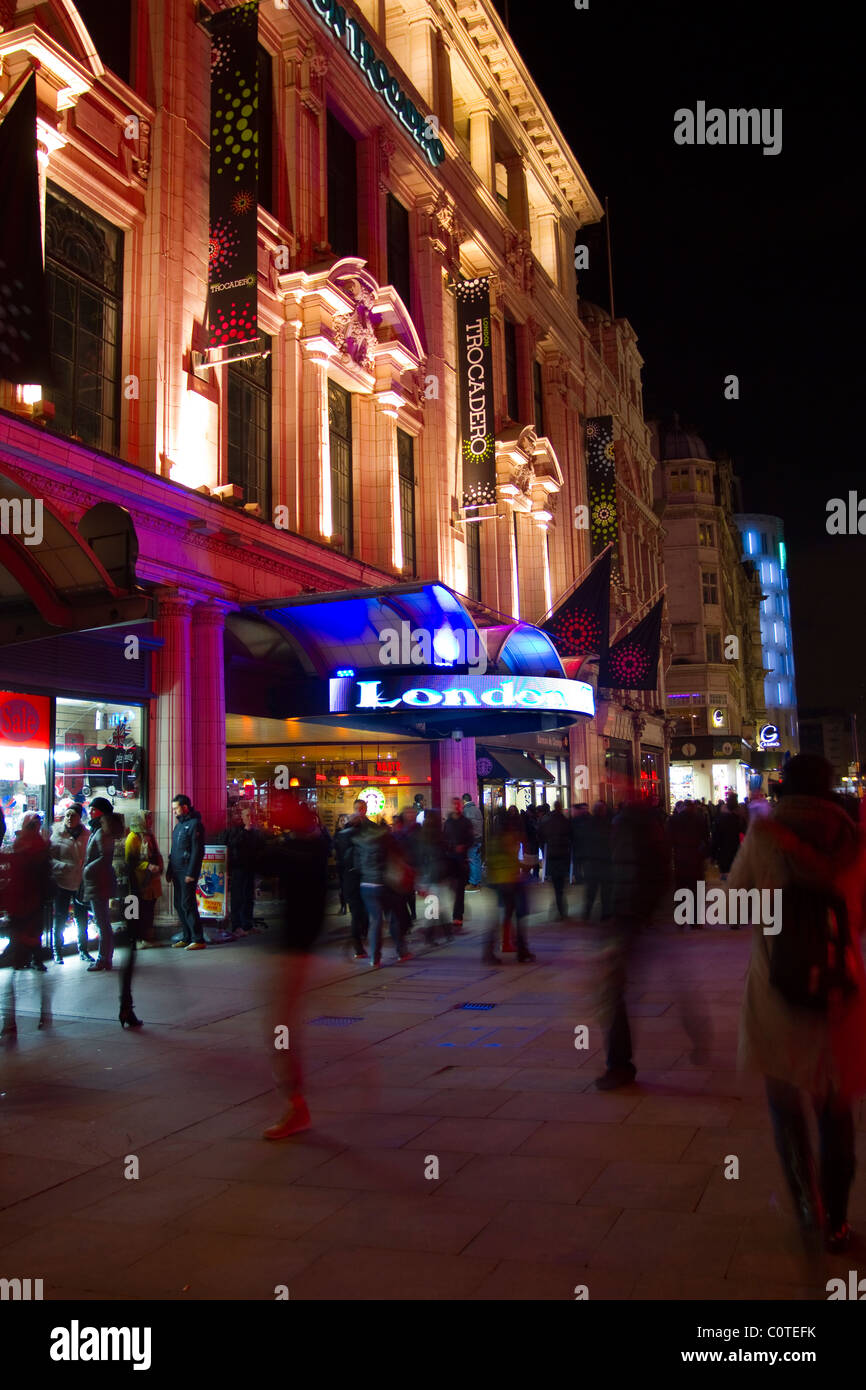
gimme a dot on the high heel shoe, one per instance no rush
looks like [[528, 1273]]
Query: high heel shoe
[[128, 1018]]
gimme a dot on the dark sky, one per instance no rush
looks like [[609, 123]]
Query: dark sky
[[727, 260]]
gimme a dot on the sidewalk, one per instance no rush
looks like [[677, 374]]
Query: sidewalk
[[543, 1183]]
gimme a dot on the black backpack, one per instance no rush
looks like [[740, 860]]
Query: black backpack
[[808, 956]]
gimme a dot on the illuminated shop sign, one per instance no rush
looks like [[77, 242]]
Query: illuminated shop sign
[[25, 721], [541, 693], [768, 736], [423, 129]]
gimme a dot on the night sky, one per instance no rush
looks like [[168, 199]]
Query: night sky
[[726, 260]]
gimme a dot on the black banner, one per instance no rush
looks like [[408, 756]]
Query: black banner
[[234, 176], [25, 354], [581, 625], [632, 663], [475, 368], [601, 484]]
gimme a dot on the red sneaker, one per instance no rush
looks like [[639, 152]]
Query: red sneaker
[[294, 1122]]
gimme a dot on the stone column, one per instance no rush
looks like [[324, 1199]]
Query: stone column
[[452, 772], [209, 719], [170, 744], [481, 145]]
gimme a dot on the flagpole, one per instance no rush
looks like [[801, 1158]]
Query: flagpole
[[35, 66], [576, 585], [632, 616]]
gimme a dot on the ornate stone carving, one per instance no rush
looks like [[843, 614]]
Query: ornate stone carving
[[518, 258], [141, 160], [386, 150], [354, 333], [639, 723]]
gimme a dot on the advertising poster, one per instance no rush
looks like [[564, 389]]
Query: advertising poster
[[212, 883]]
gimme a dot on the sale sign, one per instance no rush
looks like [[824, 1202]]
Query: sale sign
[[25, 721]]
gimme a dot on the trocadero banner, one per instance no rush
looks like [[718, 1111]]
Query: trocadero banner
[[234, 176], [475, 371], [601, 484]]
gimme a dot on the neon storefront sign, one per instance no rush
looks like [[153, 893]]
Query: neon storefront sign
[[768, 736], [536, 693], [423, 129]]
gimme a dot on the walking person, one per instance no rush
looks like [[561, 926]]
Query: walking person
[[803, 1019], [579, 817], [688, 836], [347, 864], [458, 836], [244, 845], [476, 820], [556, 832], [339, 859], [597, 847], [99, 880], [68, 847], [26, 891], [727, 835], [144, 865], [184, 868], [505, 875], [299, 861]]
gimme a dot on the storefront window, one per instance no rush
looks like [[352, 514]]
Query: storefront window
[[650, 786], [98, 752], [25, 728]]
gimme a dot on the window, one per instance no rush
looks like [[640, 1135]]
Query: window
[[538, 396], [84, 281], [398, 249], [679, 480], [266, 130], [342, 190], [406, 474], [340, 433], [710, 582], [473, 558], [684, 640], [703, 478], [714, 646], [512, 404], [249, 428], [502, 187], [764, 550], [705, 533]]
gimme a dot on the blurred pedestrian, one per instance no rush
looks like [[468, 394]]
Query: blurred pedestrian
[[640, 868], [68, 847], [597, 835], [347, 864], [145, 865], [299, 861], [555, 833], [431, 876], [476, 820], [374, 854], [26, 890], [339, 857], [803, 1020], [184, 869], [689, 842], [727, 835], [579, 817], [459, 837], [99, 882], [244, 845], [505, 875]]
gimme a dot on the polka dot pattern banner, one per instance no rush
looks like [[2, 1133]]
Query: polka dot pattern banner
[[234, 176]]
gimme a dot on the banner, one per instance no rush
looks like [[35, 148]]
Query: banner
[[601, 484], [25, 353], [632, 662], [234, 176], [211, 886], [475, 371], [581, 625]]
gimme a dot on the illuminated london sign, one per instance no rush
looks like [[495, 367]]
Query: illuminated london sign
[[423, 129], [545, 694]]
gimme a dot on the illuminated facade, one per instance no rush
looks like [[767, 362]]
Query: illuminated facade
[[402, 148], [763, 543]]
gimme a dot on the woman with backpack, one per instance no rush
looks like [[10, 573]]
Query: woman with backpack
[[803, 1021]]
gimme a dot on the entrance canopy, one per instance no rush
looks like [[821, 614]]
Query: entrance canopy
[[510, 766], [408, 658]]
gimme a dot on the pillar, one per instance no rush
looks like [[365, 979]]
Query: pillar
[[452, 772], [481, 145], [170, 744], [209, 721]]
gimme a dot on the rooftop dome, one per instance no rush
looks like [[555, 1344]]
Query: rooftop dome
[[678, 443]]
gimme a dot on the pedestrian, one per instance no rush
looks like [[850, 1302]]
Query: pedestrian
[[727, 835], [476, 820], [597, 835], [505, 875], [339, 860], [689, 844], [803, 1019], [407, 834], [640, 867], [99, 881], [68, 847], [431, 874], [244, 845], [26, 890], [579, 817], [557, 838], [184, 867], [458, 836], [370, 858], [346, 855], [299, 861], [144, 865]]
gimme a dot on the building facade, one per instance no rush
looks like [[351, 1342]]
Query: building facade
[[184, 492], [832, 734], [715, 693]]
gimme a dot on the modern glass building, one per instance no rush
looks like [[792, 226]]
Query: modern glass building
[[764, 544]]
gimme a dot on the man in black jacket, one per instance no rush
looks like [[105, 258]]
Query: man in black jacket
[[458, 835], [244, 844], [184, 868]]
